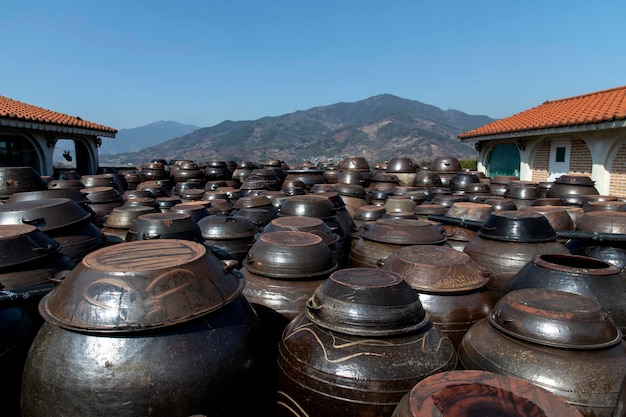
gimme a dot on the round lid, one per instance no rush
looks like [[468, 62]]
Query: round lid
[[517, 226], [436, 269], [311, 205], [303, 224], [141, 285], [366, 302], [467, 393], [574, 180], [602, 222], [217, 227], [290, 255], [403, 232], [555, 318], [48, 214], [21, 243], [369, 212]]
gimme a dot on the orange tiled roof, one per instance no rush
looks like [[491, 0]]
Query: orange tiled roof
[[601, 106], [16, 110]]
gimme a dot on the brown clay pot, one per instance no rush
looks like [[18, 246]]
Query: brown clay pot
[[358, 356], [128, 306], [582, 275], [568, 344], [450, 286]]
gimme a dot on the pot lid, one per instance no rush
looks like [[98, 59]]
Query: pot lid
[[350, 190], [602, 222], [48, 214], [366, 302], [218, 227], [290, 255], [439, 269], [164, 225], [555, 318], [310, 205], [303, 224], [574, 180], [141, 285], [123, 217], [403, 232], [517, 226], [21, 243], [465, 393], [73, 194]]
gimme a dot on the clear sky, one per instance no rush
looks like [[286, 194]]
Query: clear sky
[[127, 63]]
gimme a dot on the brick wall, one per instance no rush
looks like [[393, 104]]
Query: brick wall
[[617, 185], [541, 162], [580, 162]]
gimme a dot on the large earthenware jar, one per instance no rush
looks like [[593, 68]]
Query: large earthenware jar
[[233, 235], [563, 342], [361, 344], [465, 393], [508, 240], [29, 264], [582, 275], [611, 249], [145, 328], [572, 185], [451, 287]]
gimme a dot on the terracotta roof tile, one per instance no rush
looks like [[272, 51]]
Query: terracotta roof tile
[[13, 109], [600, 106]]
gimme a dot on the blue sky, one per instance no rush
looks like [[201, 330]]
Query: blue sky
[[129, 63]]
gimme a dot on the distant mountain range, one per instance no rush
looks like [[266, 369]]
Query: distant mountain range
[[135, 139], [378, 128]]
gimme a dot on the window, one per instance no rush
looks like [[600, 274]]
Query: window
[[560, 154]]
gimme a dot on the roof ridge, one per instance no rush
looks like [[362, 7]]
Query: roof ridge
[[593, 93]]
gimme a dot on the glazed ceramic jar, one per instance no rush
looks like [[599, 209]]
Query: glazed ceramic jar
[[474, 393], [154, 327], [611, 248], [451, 287], [572, 185], [361, 344], [561, 341], [232, 235], [508, 240], [30, 265], [582, 275]]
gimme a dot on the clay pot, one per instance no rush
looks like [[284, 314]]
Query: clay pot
[[461, 180], [396, 203], [290, 255], [147, 310], [557, 216], [568, 344], [18, 179], [572, 185], [512, 255], [469, 393], [164, 226], [450, 286], [360, 345], [582, 275], [234, 235], [517, 226], [46, 215]]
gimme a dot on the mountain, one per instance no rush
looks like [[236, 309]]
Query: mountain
[[377, 128], [135, 139]]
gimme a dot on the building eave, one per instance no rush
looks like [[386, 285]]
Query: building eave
[[49, 127], [592, 127]]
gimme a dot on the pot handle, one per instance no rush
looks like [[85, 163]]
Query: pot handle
[[34, 222], [311, 305], [146, 236], [48, 248], [229, 264]]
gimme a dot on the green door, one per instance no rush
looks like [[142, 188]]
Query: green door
[[503, 160]]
